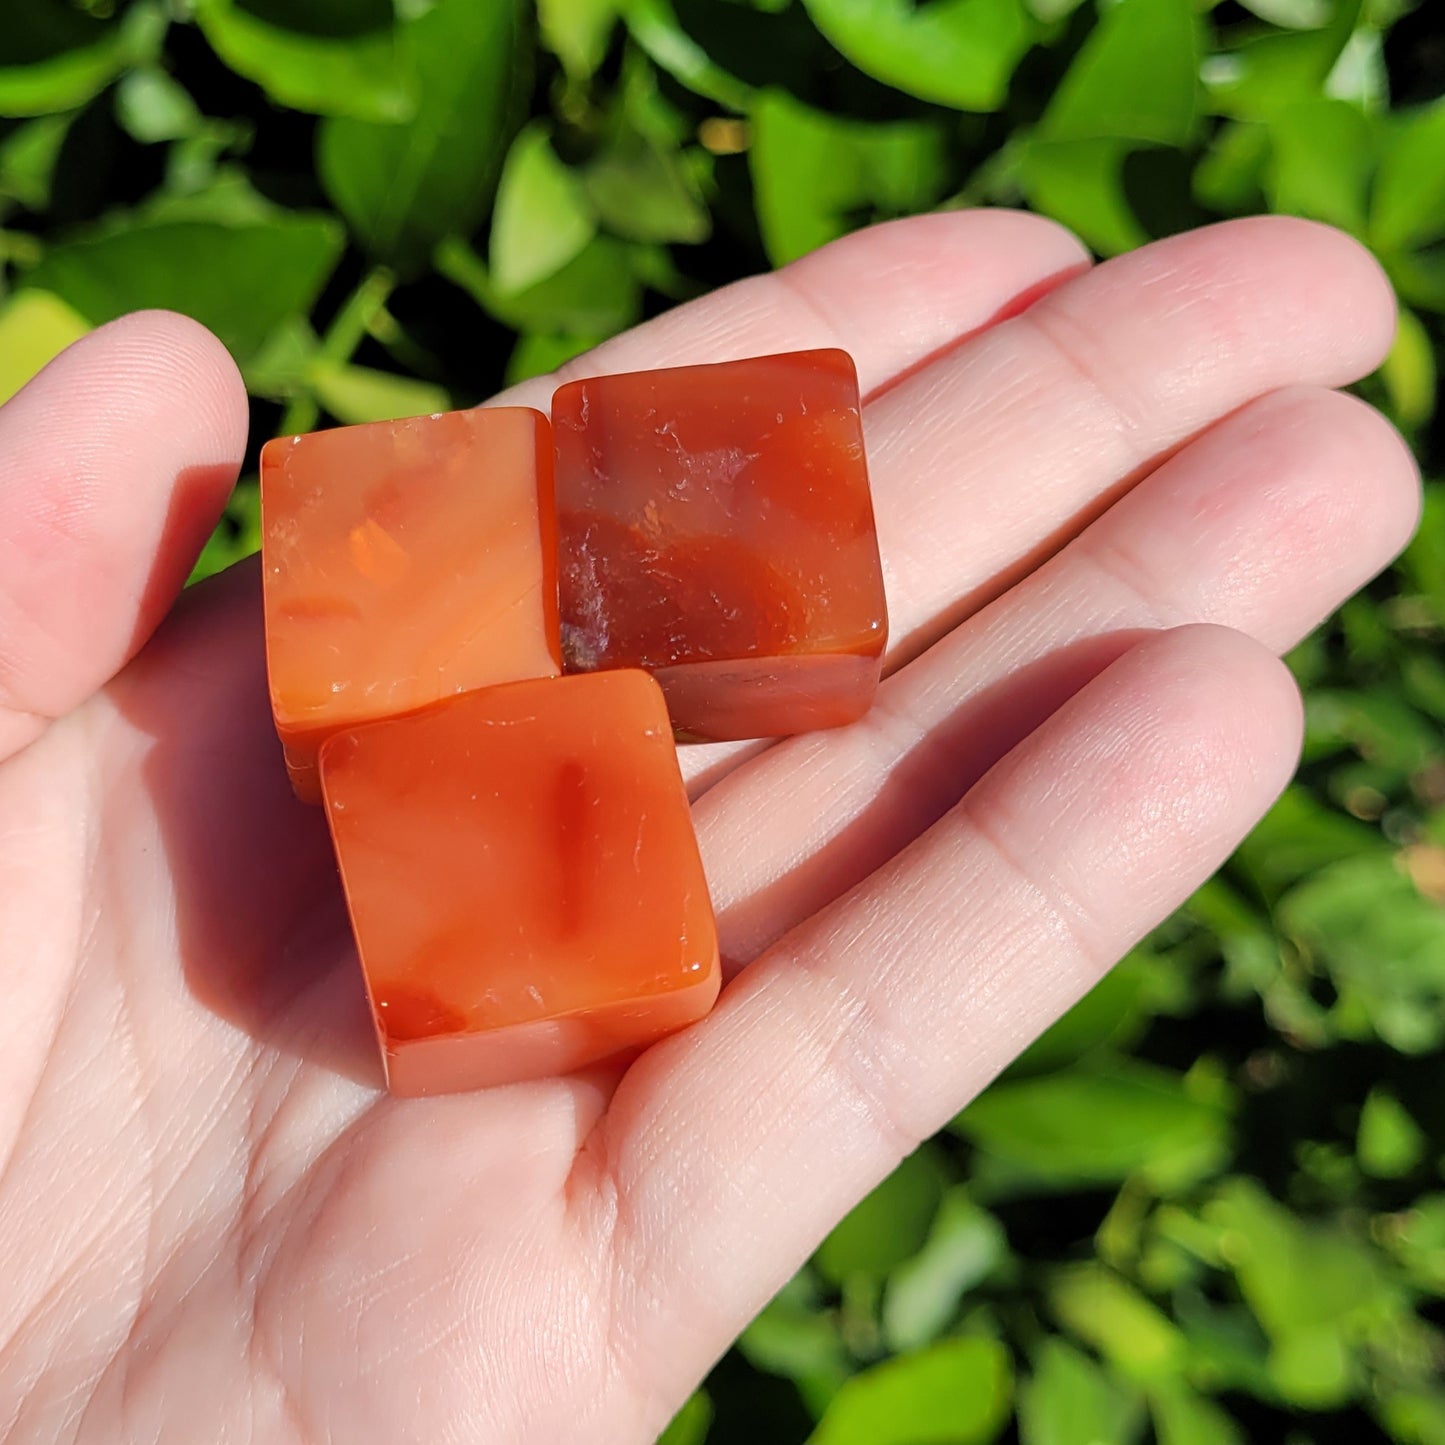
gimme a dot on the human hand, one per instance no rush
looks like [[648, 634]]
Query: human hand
[[212, 1224]]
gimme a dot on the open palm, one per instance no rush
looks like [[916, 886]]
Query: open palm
[[213, 1226]]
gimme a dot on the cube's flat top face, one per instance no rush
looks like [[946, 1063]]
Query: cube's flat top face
[[406, 561], [715, 512], [517, 854]]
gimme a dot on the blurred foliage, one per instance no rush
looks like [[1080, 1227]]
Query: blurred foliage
[[1209, 1205]]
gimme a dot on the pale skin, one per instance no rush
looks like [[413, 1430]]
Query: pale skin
[[214, 1226]]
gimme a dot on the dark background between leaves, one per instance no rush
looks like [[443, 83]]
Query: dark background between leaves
[[1208, 1206]]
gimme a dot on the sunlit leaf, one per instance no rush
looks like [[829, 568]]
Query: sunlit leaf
[[577, 31], [1382, 944], [1093, 1125], [403, 188], [355, 394], [35, 327], [543, 217], [1389, 1142], [54, 56], [954, 1393], [889, 1225], [241, 280], [1134, 79], [813, 173], [153, 107], [1322, 161], [1081, 183], [690, 1425], [1408, 206], [1105, 1311], [965, 1245], [1184, 1417], [1070, 1399], [952, 52], [1409, 372], [334, 57]]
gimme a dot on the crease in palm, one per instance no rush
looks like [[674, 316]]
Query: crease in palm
[[212, 1225]]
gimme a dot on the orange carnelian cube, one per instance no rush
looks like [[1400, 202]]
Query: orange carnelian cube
[[404, 562], [715, 527], [523, 880]]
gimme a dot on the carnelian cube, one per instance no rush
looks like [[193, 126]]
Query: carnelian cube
[[523, 880], [403, 562], [715, 527]]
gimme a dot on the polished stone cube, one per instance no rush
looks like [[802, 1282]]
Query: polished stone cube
[[404, 562], [715, 527], [523, 880]]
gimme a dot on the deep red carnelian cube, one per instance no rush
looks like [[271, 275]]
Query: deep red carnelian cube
[[523, 880], [404, 562], [715, 527]]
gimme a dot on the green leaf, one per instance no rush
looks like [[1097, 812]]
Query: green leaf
[[1409, 200], [1417, 1239], [1184, 1417], [1230, 177], [28, 156], [1105, 1311], [1390, 1143], [54, 56], [543, 217], [538, 353], [1071, 1400], [1298, 837], [241, 280], [889, 1225], [796, 1338], [690, 1425], [1096, 1126], [1323, 157], [954, 1393], [952, 52], [1291, 14], [598, 294], [577, 32], [1271, 71], [152, 107], [641, 183], [35, 327], [654, 25], [1313, 1289], [1409, 372], [1382, 944], [1134, 78], [1081, 184], [813, 174], [354, 394], [331, 57], [965, 1246], [403, 188], [1414, 1417]]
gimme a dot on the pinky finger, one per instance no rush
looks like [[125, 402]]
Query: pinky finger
[[735, 1147]]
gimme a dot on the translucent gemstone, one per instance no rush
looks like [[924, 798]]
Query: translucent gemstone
[[715, 527], [404, 562], [523, 880]]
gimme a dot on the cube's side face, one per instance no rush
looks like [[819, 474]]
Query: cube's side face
[[525, 887], [708, 514], [404, 562]]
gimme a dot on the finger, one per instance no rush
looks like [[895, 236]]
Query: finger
[[729, 1151], [891, 296], [990, 458], [117, 461], [1264, 524]]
